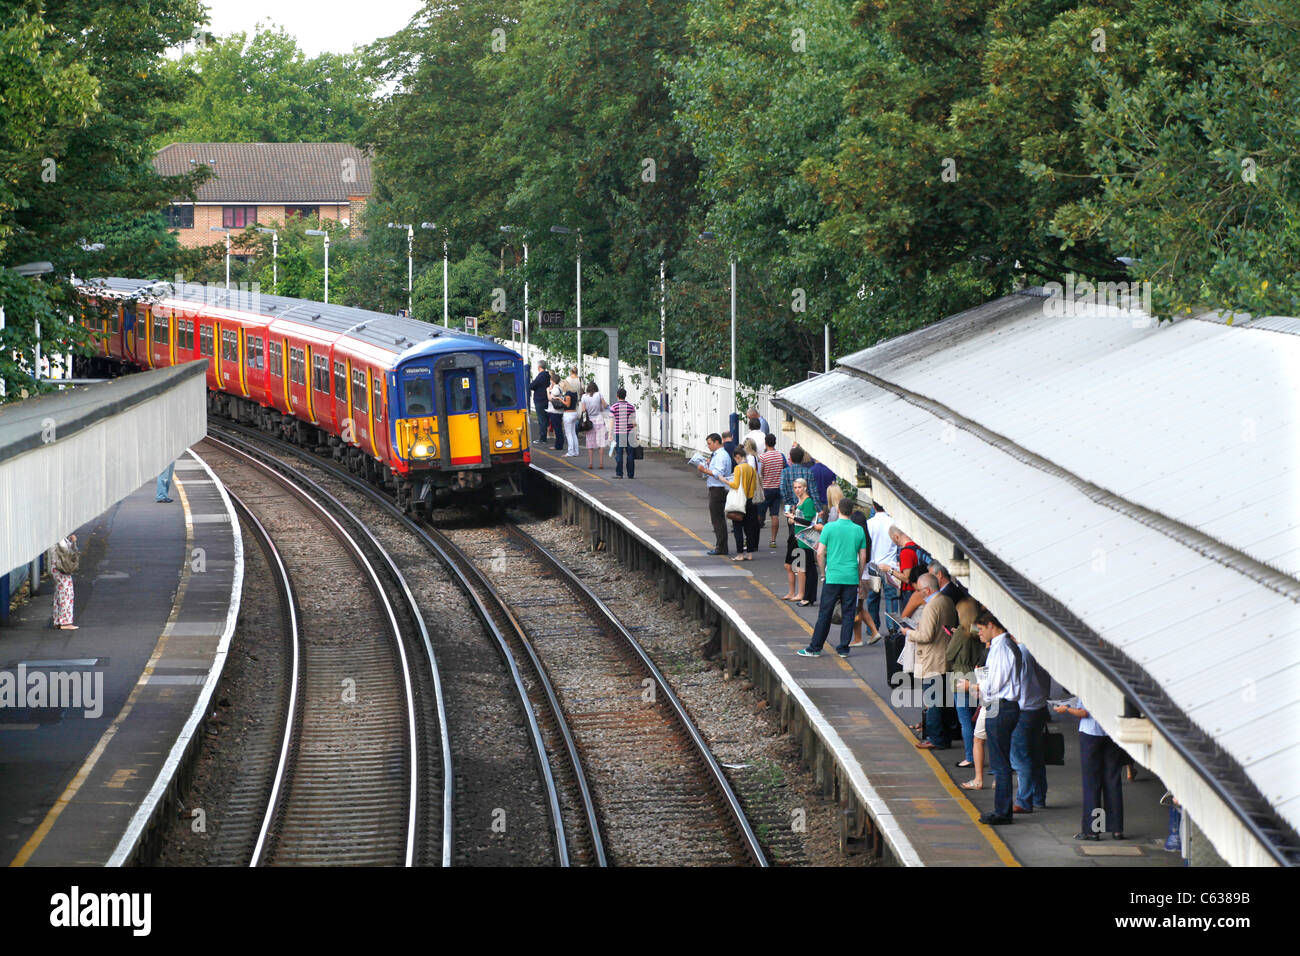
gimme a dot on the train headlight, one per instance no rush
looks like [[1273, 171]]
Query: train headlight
[[420, 450], [498, 443]]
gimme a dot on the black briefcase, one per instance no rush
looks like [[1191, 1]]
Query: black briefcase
[[1053, 748], [894, 641], [637, 452]]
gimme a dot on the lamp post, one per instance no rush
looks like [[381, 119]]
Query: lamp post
[[564, 230], [275, 259], [227, 232], [410, 254], [708, 237], [512, 229], [434, 225], [322, 232]]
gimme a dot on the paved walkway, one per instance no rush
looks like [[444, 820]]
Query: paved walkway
[[152, 606], [668, 501]]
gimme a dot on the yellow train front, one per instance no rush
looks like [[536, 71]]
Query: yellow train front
[[459, 411]]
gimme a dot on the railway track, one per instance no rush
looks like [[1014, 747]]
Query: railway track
[[636, 782], [352, 777]]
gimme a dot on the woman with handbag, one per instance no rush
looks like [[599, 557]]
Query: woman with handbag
[[556, 412], [742, 511], [593, 412], [800, 560], [64, 559]]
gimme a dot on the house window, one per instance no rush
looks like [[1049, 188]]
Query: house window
[[253, 351], [340, 381], [205, 340], [180, 216], [359, 391], [312, 212], [320, 373], [275, 357], [238, 217]]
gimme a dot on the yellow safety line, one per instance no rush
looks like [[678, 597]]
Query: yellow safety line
[[42, 831], [996, 842]]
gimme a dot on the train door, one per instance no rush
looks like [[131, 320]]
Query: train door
[[461, 405], [378, 417]]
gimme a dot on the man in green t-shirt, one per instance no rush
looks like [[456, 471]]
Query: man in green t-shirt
[[842, 554]]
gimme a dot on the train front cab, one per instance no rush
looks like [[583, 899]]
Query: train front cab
[[459, 426]]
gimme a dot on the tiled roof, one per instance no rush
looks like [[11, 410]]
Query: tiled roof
[[271, 172]]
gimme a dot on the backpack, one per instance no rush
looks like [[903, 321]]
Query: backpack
[[923, 560]]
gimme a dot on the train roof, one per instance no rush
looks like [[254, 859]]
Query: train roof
[[402, 336]]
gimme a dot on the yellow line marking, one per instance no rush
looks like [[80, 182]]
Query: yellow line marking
[[42, 831], [996, 842]]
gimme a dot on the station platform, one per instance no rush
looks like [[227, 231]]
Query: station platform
[[917, 799], [156, 599]]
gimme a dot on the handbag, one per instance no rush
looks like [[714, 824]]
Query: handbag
[[584, 423], [735, 504]]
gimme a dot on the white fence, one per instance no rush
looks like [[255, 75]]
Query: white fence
[[696, 405]]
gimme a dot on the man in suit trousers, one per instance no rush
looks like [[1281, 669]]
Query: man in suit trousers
[[931, 640], [540, 386], [954, 591]]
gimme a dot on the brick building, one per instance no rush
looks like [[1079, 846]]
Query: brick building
[[263, 184]]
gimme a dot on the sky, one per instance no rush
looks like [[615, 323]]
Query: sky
[[319, 25]]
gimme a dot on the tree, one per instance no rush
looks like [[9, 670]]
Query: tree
[[262, 89]]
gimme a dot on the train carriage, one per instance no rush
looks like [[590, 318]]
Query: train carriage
[[430, 412]]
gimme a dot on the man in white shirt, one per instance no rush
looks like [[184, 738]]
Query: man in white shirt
[[1027, 742], [883, 550], [1001, 697], [718, 468]]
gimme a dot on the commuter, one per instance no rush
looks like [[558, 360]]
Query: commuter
[[1001, 696], [540, 387], [757, 429], [593, 406], [745, 478], [556, 412], [963, 655], [729, 444], [931, 640], [947, 585], [770, 465], [909, 568], [751, 456], [799, 568], [792, 472], [1027, 757], [859, 518], [1101, 761], [883, 552], [572, 389], [834, 494], [823, 479], [63, 560], [718, 471], [842, 554], [163, 489], [623, 416]]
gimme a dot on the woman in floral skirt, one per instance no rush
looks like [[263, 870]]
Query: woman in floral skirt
[[64, 561]]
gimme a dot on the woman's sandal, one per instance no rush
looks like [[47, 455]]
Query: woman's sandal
[[972, 785], [68, 627], [805, 603]]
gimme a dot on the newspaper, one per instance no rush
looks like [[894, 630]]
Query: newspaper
[[699, 458], [809, 537]]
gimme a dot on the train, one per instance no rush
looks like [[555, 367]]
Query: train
[[434, 414]]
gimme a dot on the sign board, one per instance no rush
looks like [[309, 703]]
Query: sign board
[[402, 314], [516, 327], [655, 348], [471, 323], [552, 319]]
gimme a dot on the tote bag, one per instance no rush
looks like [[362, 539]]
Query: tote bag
[[735, 504]]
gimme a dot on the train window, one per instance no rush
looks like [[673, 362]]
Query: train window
[[320, 373], [205, 340], [114, 321], [253, 350], [297, 367], [275, 358], [161, 333], [417, 393], [229, 346], [359, 399], [460, 392], [379, 396], [501, 391], [340, 381]]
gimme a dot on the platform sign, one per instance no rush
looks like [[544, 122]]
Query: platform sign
[[654, 348], [516, 327], [552, 319], [471, 323]]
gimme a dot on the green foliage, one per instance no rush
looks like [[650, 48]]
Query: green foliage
[[263, 89]]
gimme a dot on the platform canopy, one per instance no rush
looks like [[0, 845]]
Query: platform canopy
[[67, 456], [1125, 496]]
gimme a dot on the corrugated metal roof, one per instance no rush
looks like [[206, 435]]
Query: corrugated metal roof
[[1144, 477]]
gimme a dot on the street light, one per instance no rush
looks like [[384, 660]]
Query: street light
[[322, 232], [275, 258], [410, 252], [565, 230], [709, 237], [434, 225], [227, 232], [512, 229], [27, 269]]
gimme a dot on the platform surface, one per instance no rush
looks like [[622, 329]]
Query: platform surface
[[152, 598], [668, 501]]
